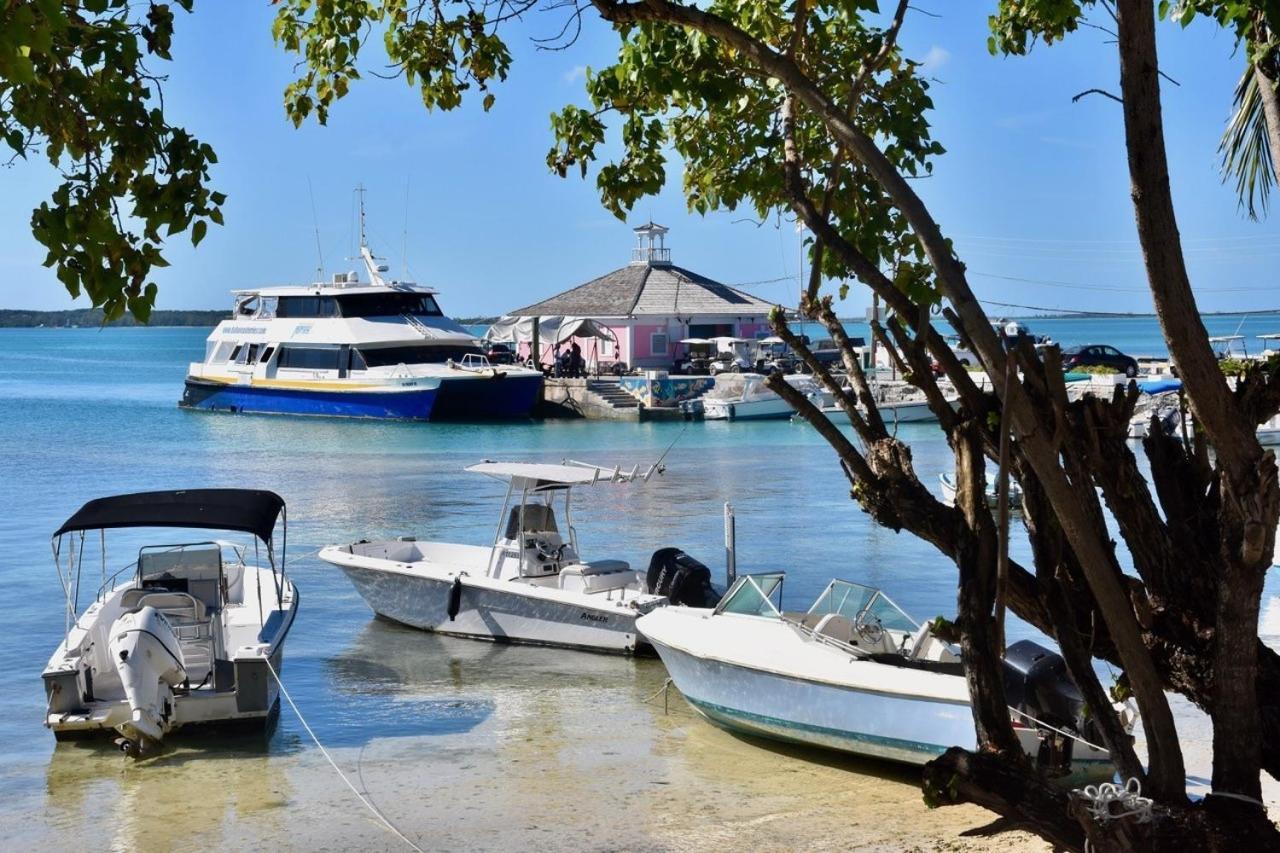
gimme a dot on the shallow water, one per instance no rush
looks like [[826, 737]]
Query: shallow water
[[463, 743]]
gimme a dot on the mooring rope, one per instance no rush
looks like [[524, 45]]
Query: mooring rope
[[1099, 800], [367, 803]]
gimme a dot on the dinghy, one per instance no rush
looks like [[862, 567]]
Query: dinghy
[[947, 484], [191, 634], [855, 673], [532, 584]]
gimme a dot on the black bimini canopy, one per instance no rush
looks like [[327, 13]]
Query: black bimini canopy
[[248, 510]]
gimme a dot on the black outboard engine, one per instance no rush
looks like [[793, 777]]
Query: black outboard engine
[[681, 578], [1036, 682]]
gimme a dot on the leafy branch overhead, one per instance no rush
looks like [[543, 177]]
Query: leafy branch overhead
[[75, 87]]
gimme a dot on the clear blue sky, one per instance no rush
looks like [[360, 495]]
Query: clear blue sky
[[1032, 187]]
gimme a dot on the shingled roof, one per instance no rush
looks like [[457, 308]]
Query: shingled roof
[[642, 289]]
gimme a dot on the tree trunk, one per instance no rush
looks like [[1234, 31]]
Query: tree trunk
[[1270, 98], [1247, 480]]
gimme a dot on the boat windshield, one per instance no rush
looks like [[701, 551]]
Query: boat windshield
[[857, 602], [754, 595]]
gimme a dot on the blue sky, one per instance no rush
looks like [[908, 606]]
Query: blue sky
[[1034, 189]]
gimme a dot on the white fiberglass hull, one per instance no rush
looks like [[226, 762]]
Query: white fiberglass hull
[[86, 696], [892, 413], [746, 410], [751, 676], [419, 595]]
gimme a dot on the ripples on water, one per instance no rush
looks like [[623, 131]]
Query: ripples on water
[[85, 413]]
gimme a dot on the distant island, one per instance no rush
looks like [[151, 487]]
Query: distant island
[[92, 318]]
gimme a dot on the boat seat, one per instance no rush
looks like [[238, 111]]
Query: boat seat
[[597, 576], [602, 567], [183, 606]]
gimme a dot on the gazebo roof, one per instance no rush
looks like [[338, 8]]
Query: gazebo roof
[[649, 290]]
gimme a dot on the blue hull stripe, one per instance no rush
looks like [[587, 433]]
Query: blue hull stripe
[[415, 404]]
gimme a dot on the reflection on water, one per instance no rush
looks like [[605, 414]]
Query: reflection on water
[[91, 790]]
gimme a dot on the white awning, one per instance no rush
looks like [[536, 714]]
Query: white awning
[[569, 473], [551, 330]]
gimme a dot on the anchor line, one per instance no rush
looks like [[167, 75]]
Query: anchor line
[[373, 809]]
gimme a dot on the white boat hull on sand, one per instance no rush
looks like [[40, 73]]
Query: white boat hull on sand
[[775, 706], [419, 597]]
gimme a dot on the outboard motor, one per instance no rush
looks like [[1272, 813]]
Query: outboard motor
[[681, 578], [1036, 682], [149, 661]]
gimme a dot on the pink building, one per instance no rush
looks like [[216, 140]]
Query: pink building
[[651, 305]]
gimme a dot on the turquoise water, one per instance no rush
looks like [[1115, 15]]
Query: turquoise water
[[87, 412]]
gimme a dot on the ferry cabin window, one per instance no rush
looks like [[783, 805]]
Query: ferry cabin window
[[223, 352], [247, 354], [390, 304], [306, 306], [391, 356], [266, 355], [308, 358]]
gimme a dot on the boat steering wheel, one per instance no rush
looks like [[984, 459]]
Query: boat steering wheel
[[547, 552], [869, 627]]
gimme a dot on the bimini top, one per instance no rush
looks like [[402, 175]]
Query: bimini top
[[548, 475], [248, 510]]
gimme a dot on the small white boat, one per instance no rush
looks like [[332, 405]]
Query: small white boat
[[189, 638], [532, 584], [1269, 432], [894, 408], [856, 674], [947, 483], [752, 399]]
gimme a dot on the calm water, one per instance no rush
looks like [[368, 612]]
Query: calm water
[[85, 413]]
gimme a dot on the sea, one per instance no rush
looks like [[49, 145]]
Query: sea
[[462, 743]]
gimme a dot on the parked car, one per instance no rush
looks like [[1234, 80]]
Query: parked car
[[500, 354], [1099, 355]]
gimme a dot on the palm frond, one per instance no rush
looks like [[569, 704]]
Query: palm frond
[[1246, 150]]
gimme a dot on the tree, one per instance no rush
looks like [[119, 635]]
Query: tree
[[75, 86], [810, 105]]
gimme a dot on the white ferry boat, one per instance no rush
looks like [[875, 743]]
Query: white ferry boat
[[349, 348]]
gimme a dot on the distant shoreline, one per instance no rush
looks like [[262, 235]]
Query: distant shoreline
[[92, 318]]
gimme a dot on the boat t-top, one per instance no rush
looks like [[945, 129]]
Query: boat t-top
[[855, 673], [186, 634], [353, 348], [532, 585]]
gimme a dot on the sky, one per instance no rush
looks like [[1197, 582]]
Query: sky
[[1033, 189]]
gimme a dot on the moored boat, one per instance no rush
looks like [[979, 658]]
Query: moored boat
[[532, 585], [191, 635], [854, 673], [356, 349], [751, 399]]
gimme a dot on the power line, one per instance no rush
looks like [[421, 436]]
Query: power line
[[1074, 285]]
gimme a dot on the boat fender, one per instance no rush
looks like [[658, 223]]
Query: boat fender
[[455, 598]]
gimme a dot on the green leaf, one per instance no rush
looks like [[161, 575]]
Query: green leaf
[[197, 231]]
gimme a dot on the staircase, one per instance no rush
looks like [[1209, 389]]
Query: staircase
[[610, 394]]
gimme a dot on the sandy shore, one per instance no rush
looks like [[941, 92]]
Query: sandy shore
[[566, 760]]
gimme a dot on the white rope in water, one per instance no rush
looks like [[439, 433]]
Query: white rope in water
[[367, 803]]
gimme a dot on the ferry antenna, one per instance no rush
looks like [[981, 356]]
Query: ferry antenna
[[315, 221]]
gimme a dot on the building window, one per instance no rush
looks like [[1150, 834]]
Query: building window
[[606, 348], [658, 343]]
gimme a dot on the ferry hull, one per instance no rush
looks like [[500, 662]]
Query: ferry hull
[[482, 397], [486, 614], [416, 404]]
